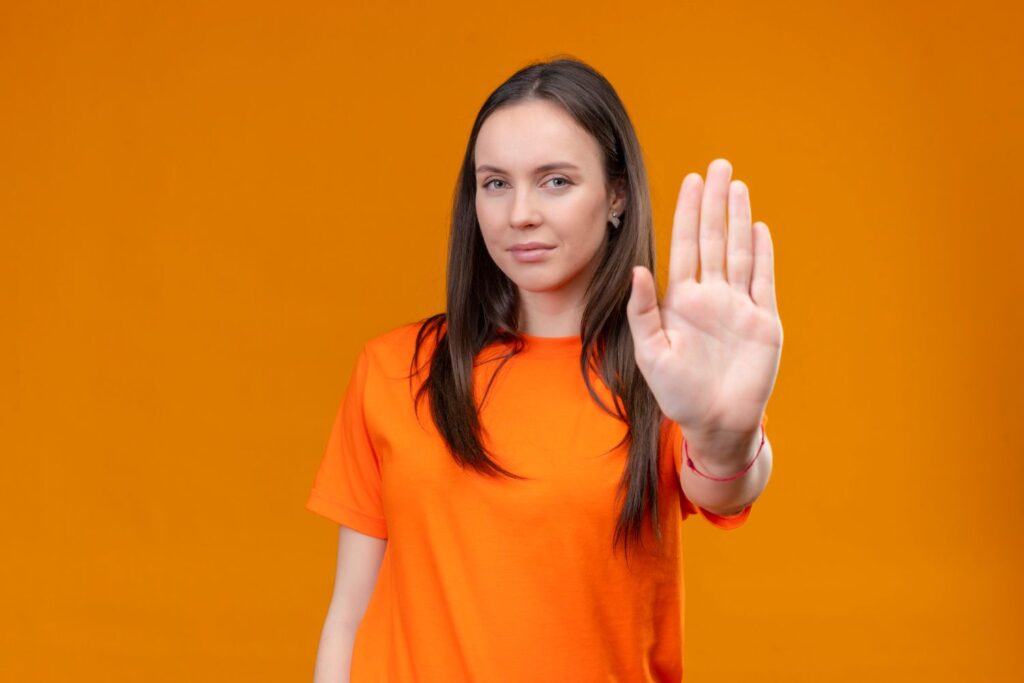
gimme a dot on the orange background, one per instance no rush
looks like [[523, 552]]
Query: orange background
[[206, 208]]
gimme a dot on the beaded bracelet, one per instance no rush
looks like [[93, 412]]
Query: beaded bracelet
[[689, 461]]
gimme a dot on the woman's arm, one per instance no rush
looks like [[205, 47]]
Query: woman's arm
[[723, 459], [359, 560], [334, 656]]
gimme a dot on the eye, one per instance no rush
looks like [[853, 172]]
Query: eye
[[566, 182]]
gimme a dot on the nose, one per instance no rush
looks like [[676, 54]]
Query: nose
[[524, 213]]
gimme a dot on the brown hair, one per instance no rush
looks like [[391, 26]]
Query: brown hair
[[482, 302]]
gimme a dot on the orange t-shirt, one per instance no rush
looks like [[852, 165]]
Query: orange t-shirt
[[499, 579]]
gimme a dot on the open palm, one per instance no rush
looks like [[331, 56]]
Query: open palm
[[710, 353]]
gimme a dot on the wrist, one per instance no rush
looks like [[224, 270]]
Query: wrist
[[723, 457]]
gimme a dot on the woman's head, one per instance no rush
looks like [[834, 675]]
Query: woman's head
[[558, 111], [543, 178]]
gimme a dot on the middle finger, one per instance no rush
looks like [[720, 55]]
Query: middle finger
[[712, 221]]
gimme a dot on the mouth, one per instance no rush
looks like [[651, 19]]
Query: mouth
[[531, 253], [531, 245]]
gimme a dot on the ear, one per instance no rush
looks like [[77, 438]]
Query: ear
[[619, 196]]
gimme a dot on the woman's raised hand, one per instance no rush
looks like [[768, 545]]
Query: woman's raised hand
[[710, 353]]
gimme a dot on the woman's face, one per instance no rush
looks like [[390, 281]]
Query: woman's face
[[519, 201]]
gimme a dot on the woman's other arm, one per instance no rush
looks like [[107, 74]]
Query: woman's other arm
[[359, 560]]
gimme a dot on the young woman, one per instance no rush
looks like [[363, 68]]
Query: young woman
[[510, 475]]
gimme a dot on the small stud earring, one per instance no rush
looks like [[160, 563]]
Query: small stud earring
[[615, 221]]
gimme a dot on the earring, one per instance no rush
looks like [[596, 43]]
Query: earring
[[615, 221]]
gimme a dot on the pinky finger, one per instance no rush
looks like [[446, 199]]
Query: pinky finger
[[762, 282]]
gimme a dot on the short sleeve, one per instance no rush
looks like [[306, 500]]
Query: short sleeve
[[726, 522], [347, 486]]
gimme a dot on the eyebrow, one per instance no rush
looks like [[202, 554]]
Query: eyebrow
[[540, 169]]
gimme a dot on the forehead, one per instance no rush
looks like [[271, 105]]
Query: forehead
[[525, 135]]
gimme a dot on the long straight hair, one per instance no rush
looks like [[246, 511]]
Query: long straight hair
[[482, 302]]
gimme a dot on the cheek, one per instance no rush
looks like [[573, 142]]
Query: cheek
[[491, 235], [582, 230], [583, 217], [488, 225]]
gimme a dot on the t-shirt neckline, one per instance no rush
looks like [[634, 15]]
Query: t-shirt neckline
[[551, 347]]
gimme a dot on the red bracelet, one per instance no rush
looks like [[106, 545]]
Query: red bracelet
[[689, 461]]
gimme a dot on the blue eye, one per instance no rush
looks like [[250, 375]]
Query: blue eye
[[568, 182]]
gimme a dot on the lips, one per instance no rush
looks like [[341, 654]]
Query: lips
[[529, 246], [531, 252]]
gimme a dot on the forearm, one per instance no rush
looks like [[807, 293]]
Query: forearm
[[724, 457], [334, 656]]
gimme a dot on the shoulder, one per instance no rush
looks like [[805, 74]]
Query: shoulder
[[392, 350]]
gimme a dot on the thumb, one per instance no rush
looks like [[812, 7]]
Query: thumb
[[644, 316]]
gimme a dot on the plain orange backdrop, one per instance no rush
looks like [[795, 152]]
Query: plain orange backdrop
[[207, 207]]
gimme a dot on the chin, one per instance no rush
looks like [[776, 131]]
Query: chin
[[540, 282]]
